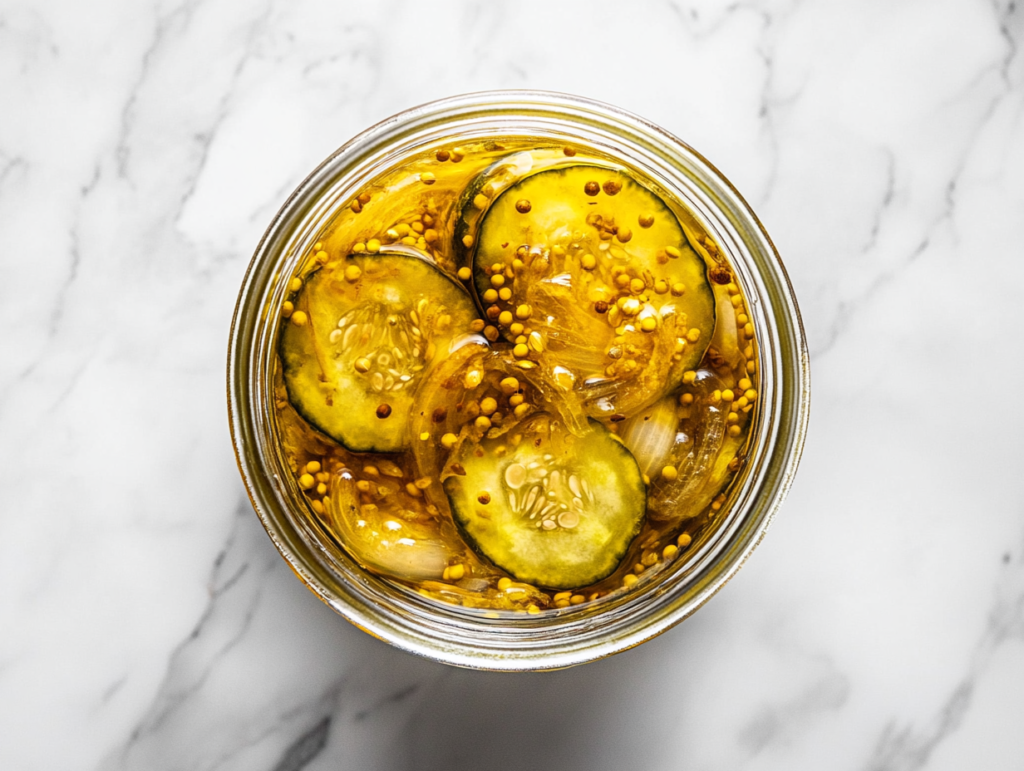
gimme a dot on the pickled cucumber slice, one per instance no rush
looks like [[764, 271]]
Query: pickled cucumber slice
[[548, 507], [595, 267], [373, 324], [489, 184]]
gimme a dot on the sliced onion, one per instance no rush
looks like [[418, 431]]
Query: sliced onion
[[380, 539], [726, 338], [696, 484], [652, 434]]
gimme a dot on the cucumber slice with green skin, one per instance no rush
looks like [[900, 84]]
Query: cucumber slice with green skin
[[553, 510], [489, 184], [601, 270], [374, 324]]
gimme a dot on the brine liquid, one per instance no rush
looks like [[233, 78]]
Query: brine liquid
[[689, 442]]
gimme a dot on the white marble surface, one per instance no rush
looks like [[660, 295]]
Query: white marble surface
[[146, 622]]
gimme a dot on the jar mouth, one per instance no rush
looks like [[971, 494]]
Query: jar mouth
[[452, 634]]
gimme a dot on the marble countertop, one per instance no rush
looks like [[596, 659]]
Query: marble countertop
[[147, 621]]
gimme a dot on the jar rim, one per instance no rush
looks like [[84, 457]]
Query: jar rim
[[439, 633]]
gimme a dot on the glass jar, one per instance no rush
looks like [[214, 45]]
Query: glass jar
[[449, 633]]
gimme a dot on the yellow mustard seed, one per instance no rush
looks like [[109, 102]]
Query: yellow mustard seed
[[516, 328], [693, 335], [483, 422], [686, 399], [318, 507], [521, 410], [427, 178], [683, 540], [299, 319], [313, 466], [669, 551], [509, 385], [523, 312], [465, 274], [425, 436], [286, 308], [728, 395], [481, 201], [678, 289], [504, 318], [362, 364], [520, 351], [669, 473], [629, 579], [648, 324], [322, 257], [577, 599], [497, 280], [505, 294], [488, 405], [491, 296], [352, 273], [449, 440], [645, 220], [467, 241], [456, 572], [504, 584], [734, 430], [321, 489], [588, 262], [306, 481], [636, 285], [373, 245], [689, 376], [295, 285]]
